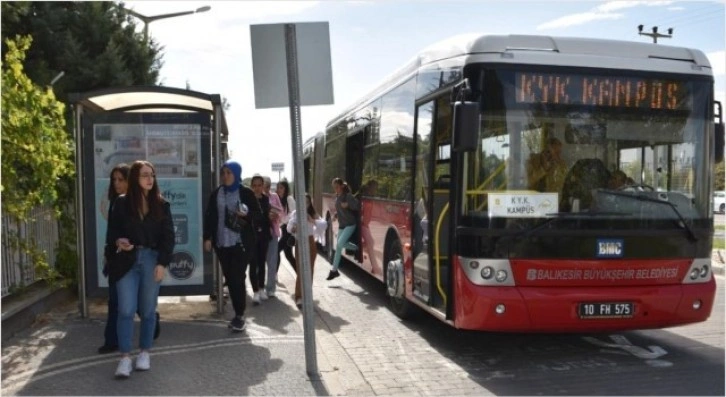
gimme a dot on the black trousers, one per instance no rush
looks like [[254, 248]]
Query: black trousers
[[234, 261], [257, 265], [282, 246]]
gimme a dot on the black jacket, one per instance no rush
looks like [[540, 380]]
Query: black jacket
[[247, 196], [151, 233]]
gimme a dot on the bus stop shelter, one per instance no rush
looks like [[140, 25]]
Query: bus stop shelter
[[184, 135]]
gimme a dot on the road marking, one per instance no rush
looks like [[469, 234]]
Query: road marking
[[621, 342]]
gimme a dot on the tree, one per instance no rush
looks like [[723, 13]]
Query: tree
[[36, 151], [97, 46], [94, 43]]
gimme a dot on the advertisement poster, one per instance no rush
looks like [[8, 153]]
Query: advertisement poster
[[174, 151]]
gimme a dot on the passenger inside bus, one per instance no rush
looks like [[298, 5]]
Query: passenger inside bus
[[617, 180], [581, 181], [546, 170]]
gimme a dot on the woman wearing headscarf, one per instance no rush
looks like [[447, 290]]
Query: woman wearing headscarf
[[224, 224]]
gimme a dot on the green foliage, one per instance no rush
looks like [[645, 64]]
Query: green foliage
[[97, 45], [94, 43], [36, 151]]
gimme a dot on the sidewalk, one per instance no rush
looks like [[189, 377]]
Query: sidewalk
[[718, 257], [196, 353]]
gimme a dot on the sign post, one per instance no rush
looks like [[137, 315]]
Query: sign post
[[279, 167], [301, 53]]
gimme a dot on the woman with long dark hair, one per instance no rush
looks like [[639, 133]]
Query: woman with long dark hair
[[118, 184], [346, 209], [260, 213], [140, 222], [288, 206]]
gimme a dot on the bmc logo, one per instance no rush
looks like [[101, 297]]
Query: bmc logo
[[610, 248]]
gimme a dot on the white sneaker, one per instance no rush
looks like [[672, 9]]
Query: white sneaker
[[270, 294], [263, 295], [256, 298], [143, 361], [124, 368]]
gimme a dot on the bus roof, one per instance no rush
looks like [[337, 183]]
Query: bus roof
[[462, 49]]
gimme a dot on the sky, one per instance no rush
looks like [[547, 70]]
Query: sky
[[210, 52]]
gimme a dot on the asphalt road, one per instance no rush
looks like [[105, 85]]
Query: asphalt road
[[423, 356]]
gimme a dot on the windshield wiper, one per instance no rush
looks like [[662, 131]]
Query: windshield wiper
[[636, 196]]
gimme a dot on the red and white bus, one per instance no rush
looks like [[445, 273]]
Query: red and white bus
[[449, 223]]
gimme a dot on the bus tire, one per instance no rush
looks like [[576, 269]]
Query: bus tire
[[395, 280]]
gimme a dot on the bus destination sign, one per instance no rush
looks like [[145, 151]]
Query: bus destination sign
[[600, 90]]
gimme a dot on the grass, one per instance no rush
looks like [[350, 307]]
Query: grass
[[719, 243]]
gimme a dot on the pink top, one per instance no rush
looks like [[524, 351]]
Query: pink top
[[275, 206]]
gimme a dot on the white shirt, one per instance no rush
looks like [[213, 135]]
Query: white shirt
[[316, 227]]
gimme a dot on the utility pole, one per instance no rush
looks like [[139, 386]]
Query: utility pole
[[655, 35]]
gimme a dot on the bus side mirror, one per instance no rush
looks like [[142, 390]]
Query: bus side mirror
[[719, 141], [466, 126]]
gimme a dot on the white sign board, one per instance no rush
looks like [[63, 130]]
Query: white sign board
[[269, 64], [278, 167], [522, 205]]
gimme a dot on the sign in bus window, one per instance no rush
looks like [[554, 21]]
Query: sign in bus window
[[600, 90], [522, 205]]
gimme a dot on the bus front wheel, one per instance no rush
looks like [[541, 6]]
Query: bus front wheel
[[395, 280]]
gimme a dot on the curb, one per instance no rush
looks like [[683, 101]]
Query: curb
[[24, 309], [717, 261]]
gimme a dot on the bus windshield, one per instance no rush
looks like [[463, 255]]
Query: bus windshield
[[561, 142]]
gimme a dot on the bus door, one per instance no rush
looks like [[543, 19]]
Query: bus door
[[431, 213], [354, 146]]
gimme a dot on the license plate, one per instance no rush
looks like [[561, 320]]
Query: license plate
[[606, 310]]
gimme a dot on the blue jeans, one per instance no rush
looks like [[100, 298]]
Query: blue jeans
[[273, 254], [138, 291], [343, 237]]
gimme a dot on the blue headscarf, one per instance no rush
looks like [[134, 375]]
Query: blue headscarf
[[237, 172]]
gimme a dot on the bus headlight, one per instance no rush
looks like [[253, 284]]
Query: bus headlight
[[704, 271], [695, 273], [501, 275], [474, 265], [487, 272]]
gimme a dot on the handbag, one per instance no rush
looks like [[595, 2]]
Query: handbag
[[119, 263], [290, 240], [232, 221]]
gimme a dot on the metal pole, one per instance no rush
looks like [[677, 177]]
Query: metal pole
[[217, 136], [293, 88], [80, 246]]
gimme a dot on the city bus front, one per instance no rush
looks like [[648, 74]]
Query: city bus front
[[586, 204]]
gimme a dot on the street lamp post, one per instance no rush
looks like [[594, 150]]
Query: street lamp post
[[149, 19]]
